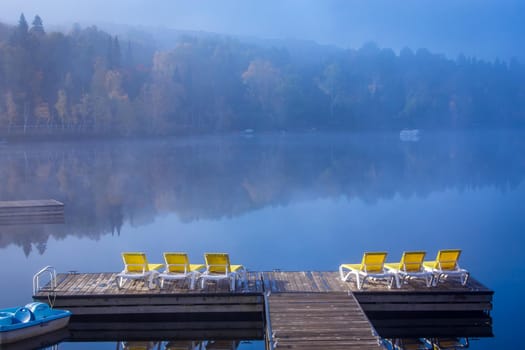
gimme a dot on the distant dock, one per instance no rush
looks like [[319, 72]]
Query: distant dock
[[45, 211], [291, 310]]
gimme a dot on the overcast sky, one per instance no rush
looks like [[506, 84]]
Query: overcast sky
[[482, 28]]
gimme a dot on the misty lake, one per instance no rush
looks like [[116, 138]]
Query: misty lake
[[277, 201]]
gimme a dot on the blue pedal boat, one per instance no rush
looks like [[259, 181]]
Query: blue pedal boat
[[34, 319]]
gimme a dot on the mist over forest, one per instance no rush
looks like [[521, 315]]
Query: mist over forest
[[86, 81]]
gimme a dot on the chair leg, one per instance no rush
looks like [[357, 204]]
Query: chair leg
[[241, 279], [346, 277], [357, 280], [342, 274], [393, 279], [428, 281], [437, 278], [192, 281], [464, 278], [152, 279], [398, 283], [238, 281], [244, 279]]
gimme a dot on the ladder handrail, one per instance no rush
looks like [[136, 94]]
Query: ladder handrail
[[53, 278]]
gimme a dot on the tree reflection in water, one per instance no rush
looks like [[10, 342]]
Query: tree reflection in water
[[106, 184]]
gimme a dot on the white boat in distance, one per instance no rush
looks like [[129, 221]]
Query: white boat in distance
[[409, 135]]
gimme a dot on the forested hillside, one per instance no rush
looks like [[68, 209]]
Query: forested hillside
[[91, 83]]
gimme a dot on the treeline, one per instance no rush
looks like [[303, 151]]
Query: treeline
[[88, 81]]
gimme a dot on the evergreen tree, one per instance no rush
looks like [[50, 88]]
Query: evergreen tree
[[129, 56], [116, 53], [113, 53], [19, 36], [22, 25], [38, 26]]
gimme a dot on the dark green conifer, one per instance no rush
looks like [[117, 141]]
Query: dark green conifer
[[19, 36], [38, 26], [116, 53], [22, 24]]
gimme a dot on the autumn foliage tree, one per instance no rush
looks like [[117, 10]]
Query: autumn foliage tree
[[92, 83]]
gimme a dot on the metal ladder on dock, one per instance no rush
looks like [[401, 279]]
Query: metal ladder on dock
[[50, 286]]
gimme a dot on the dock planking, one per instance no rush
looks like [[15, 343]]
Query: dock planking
[[376, 296], [98, 294], [302, 309], [318, 320], [45, 211], [30, 205]]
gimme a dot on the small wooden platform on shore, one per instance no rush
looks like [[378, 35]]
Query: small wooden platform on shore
[[303, 310], [45, 211]]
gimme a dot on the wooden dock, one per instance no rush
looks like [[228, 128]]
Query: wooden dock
[[314, 310], [318, 321], [304, 310], [46, 211], [103, 310]]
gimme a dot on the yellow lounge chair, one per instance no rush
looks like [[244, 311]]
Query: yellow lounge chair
[[136, 266], [410, 266], [218, 267], [178, 267], [372, 266], [446, 264]]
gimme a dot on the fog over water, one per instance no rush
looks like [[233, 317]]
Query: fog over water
[[486, 29], [313, 200]]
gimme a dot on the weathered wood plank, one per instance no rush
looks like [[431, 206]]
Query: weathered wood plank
[[167, 309], [30, 203], [451, 297], [413, 307], [321, 283], [167, 325], [24, 211], [319, 320], [193, 299], [65, 285], [47, 211]]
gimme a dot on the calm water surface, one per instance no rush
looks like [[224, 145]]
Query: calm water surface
[[291, 202]]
